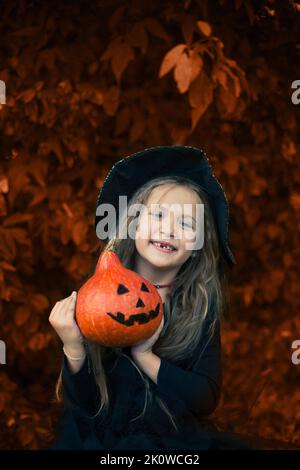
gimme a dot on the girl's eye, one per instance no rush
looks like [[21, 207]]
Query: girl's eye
[[187, 224], [156, 214]]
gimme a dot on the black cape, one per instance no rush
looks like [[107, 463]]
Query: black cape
[[190, 389]]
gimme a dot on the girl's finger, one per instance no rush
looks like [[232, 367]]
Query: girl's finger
[[70, 311], [56, 308], [53, 310], [60, 308], [64, 306]]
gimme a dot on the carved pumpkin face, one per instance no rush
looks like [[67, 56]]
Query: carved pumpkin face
[[141, 317], [117, 307]]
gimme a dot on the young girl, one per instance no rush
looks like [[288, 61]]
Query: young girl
[[159, 393]]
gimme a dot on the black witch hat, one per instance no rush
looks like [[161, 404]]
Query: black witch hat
[[131, 172]]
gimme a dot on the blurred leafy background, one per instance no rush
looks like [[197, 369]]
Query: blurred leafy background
[[89, 83]]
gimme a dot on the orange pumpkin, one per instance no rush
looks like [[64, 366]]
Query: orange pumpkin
[[117, 307]]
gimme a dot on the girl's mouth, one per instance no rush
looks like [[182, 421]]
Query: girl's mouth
[[163, 247]]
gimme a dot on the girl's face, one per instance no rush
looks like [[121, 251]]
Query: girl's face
[[170, 216]]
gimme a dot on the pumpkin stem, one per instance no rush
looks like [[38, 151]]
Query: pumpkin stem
[[107, 260]]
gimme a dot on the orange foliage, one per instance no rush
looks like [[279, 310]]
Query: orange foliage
[[89, 83]]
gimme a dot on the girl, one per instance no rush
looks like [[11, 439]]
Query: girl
[[159, 393]]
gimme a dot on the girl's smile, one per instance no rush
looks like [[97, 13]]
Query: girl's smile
[[163, 247]]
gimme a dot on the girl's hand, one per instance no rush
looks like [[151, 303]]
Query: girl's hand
[[62, 318], [145, 346]]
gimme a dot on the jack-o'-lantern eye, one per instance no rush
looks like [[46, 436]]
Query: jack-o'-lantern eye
[[144, 287], [122, 289]]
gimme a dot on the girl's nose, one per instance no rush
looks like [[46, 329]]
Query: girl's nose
[[168, 227]]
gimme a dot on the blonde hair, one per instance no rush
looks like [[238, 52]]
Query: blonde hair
[[199, 282]]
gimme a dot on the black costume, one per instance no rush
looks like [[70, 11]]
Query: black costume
[[191, 390]]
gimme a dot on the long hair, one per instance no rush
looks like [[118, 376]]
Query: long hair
[[200, 282]]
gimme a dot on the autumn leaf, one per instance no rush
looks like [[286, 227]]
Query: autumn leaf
[[7, 266], [33, 324], [39, 302], [120, 54], [79, 232], [204, 28], [66, 230], [188, 65], [4, 185], [37, 342], [294, 200], [138, 125], [231, 166], [196, 64], [248, 294], [200, 97], [258, 186], [226, 101], [137, 37], [155, 28], [183, 73], [18, 180], [116, 16], [221, 76], [17, 219], [111, 100], [237, 75], [171, 59], [122, 121], [39, 172], [39, 195], [21, 315], [27, 95], [8, 247], [3, 206], [83, 149]]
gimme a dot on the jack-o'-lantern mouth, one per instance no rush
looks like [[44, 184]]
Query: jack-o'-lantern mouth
[[140, 318]]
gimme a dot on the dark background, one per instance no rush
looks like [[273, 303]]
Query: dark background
[[90, 82]]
